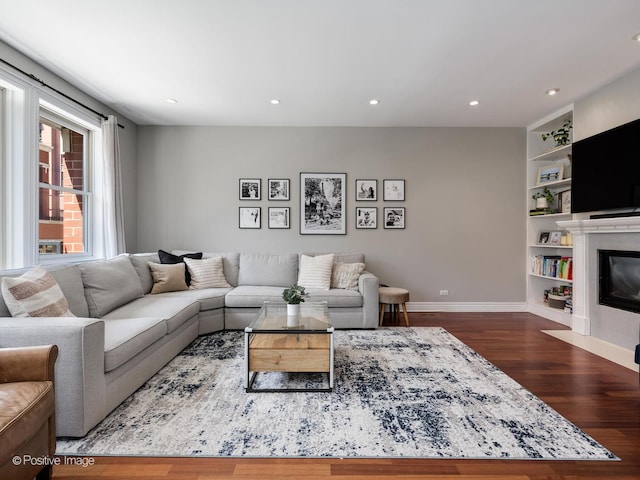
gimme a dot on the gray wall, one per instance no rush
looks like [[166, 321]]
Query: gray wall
[[128, 136], [614, 104], [465, 199]]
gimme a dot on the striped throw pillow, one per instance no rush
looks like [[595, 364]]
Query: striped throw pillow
[[315, 272], [206, 273], [35, 294]]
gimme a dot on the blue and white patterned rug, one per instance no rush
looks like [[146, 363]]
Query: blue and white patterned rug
[[400, 392]]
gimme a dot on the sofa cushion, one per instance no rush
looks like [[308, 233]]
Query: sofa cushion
[[346, 275], [140, 262], [167, 278], [206, 273], [124, 338], [315, 272], [336, 297], [166, 257], [268, 270], [253, 296], [209, 298], [70, 280], [35, 294], [109, 284]]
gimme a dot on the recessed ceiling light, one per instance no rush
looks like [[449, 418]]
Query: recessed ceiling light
[[274, 101], [171, 100], [636, 37], [374, 101], [552, 91], [473, 103]]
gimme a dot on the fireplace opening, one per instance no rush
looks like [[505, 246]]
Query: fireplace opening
[[619, 274]]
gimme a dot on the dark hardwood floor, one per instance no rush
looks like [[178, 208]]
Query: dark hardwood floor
[[600, 397]]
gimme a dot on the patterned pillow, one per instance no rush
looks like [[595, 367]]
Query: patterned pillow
[[315, 272], [168, 278], [345, 275], [35, 294], [206, 273]]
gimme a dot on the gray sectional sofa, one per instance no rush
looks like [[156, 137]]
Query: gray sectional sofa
[[122, 334]]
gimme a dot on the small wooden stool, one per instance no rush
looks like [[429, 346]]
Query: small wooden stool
[[393, 296]]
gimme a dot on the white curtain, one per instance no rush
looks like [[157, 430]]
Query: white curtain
[[113, 203]]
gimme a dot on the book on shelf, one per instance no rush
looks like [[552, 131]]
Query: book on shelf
[[552, 266]]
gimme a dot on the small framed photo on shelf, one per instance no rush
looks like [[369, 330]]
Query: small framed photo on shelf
[[279, 217], [394, 217], [367, 190], [366, 217], [564, 201], [250, 217], [278, 188], [393, 190], [250, 188], [543, 239], [550, 173], [554, 237]]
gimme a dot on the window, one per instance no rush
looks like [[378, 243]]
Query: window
[[62, 192]]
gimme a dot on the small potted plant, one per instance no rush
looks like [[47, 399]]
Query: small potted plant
[[294, 295], [560, 136], [544, 199]]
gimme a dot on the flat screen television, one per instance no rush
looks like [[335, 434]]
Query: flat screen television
[[606, 170]]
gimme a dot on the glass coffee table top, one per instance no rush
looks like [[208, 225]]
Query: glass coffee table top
[[313, 317]]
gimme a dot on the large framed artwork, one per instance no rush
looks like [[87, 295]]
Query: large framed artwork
[[323, 203]]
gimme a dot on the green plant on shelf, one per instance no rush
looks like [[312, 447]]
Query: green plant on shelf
[[545, 200], [560, 136]]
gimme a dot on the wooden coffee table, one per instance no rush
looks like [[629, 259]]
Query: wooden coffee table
[[275, 342]]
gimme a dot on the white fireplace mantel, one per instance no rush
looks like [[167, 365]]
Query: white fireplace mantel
[[582, 230]]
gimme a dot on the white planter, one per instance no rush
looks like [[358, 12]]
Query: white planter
[[293, 315], [541, 203]]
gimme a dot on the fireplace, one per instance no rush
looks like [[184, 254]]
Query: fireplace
[[619, 275]]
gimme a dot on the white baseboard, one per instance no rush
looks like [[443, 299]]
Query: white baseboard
[[466, 307]]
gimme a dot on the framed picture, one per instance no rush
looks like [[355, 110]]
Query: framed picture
[[564, 201], [393, 190], [322, 203], [278, 188], [250, 188], [250, 217], [554, 238], [279, 217], [367, 190], [366, 217], [394, 217], [543, 239], [550, 173]]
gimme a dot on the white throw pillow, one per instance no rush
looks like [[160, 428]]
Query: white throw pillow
[[35, 294], [168, 277], [346, 275], [315, 272], [206, 273]]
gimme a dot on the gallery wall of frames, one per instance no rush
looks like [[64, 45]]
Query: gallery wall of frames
[[322, 203]]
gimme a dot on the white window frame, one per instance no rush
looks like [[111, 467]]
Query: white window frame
[[23, 101]]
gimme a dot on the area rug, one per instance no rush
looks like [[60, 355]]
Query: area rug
[[400, 392]]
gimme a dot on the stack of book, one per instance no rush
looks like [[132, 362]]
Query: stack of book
[[553, 266]]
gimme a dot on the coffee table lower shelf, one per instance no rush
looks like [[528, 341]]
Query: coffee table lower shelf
[[288, 352]]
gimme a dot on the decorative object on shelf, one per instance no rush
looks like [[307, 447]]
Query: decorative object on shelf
[[562, 135], [323, 203], [564, 201], [550, 173], [293, 295], [250, 217], [278, 188], [367, 190], [544, 200], [279, 217], [394, 217], [555, 237], [393, 190], [250, 188], [543, 239], [366, 217]]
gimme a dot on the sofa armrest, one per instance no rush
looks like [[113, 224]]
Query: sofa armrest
[[27, 364], [80, 387], [368, 285]]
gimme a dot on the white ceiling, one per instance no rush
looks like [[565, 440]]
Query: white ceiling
[[223, 60]]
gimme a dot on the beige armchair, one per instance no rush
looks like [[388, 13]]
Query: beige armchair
[[27, 412]]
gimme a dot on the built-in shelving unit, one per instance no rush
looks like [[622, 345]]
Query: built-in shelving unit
[[541, 155]]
